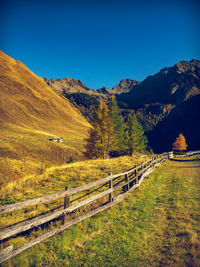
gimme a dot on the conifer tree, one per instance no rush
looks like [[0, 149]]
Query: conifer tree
[[101, 137], [91, 150], [118, 126], [137, 141], [103, 125], [180, 143]]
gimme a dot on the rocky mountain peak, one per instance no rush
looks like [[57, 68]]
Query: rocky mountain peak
[[103, 90], [191, 66], [125, 86]]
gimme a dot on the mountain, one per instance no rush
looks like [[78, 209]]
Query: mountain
[[26, 100], [85, 99], [169, 86], [172, 85], [167, 104], [30, 113], [104, 90], [184, 118], [161, 100], [124, 86], [69, 86]]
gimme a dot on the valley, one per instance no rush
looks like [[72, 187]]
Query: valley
[[166, 103], [99, 133], [35, 110]]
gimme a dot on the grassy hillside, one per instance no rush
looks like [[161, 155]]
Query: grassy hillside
[[30, 113], [54, 179], [156, 225]]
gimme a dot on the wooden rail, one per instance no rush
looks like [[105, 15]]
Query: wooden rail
[[127, 181], [192, 153], [187, 153]]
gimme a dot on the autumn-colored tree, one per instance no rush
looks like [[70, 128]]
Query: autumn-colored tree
[[180, 143], [101, 137]]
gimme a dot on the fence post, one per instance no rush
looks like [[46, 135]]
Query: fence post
[[152, 161], [66, 205], [136, 171], [111, 187], [127, 179], [126, 187]]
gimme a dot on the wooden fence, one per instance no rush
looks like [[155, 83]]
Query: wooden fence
[[192, 153], [186, 153], [114, 187]]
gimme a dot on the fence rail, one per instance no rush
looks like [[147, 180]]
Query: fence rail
[[186, 153], [127, 181], [191, 153]]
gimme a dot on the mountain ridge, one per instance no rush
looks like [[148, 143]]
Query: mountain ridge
[[126, 86], [171, 85], [155, 97]]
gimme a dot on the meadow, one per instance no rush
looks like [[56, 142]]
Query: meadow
[[156, 225]]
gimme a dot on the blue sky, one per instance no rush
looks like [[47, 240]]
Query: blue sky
[[99, 42]]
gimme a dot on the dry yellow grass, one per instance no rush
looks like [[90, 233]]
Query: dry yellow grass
[[27, 100], [30, 112], [54, 179]]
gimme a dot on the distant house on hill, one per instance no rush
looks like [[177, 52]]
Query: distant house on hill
[[56, 139]]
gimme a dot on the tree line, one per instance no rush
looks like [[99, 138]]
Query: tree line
[[111, 135]]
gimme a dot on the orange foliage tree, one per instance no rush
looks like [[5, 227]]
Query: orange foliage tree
[[180, 143], [101, 136]]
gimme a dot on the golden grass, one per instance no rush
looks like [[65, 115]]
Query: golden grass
[[27, 100], [30, 112], [24, 153], [53, 179], [156, 225]]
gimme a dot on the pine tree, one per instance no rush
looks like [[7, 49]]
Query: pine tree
[[137, 141], [180, 143], [118, 126]]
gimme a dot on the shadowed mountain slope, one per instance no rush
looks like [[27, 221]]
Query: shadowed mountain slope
[[168, 103], [184, 118], [171, 85]]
